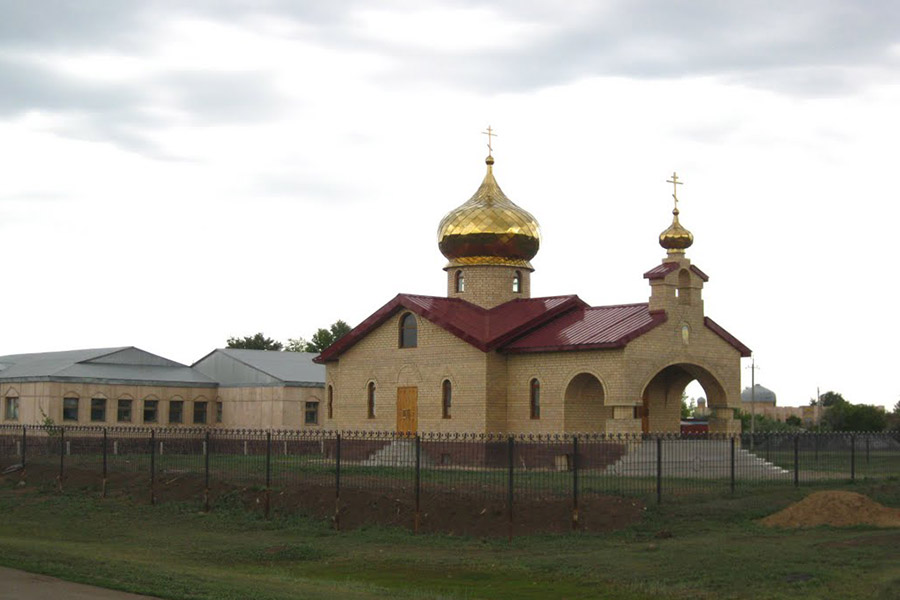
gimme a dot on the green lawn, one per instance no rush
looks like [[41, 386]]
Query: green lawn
[[702, 548]]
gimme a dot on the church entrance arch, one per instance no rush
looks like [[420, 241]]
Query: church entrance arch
[[661, 409], [584, 408]]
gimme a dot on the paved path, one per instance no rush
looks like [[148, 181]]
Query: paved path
[[19, 585]]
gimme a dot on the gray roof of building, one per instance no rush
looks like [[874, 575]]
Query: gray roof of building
[[125, 364], [288, 367]]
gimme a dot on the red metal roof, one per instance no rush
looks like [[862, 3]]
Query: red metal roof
[[485, 329], [660, 271], [720, 331], [553, 324], [589, 328]]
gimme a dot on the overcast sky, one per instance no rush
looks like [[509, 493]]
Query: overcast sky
[[175, 173]]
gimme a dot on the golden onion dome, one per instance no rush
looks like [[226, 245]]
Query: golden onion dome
[[676, 238], [489, 229]]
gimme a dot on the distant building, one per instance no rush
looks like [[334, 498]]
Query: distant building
[[762, 401], [127, 386]]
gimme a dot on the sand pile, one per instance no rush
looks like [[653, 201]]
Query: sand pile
[[838, 509]]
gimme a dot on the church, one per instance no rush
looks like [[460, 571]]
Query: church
[[489, 358]]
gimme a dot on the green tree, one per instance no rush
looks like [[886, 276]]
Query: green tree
[[320, 340], [687, 406], [794, 421], [831, 399], [255, 342]]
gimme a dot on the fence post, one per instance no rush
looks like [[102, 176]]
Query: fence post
[[152, 466], [796, 460], [206, 474], [509, 486], [337, 484], [732, 463], [24, 440], [575, 482], [852, 457], [268, 469], [103, 483], [658, 469], [62, 457], [418, 480]]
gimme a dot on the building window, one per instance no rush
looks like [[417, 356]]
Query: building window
[[199, 412], [446, 398], [176, 411], [98, 409], [409, 331], [371, 399], [123, 411], [312, 413], [151, 411], [330, 402], [517, 282], [460, 282], [535, 399], [218, 412], [70, 409], [12, 408]]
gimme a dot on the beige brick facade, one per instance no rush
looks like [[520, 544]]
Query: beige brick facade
[[488, 285], [619, 390], [41, 400]]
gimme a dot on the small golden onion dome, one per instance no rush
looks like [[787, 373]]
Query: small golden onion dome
[[489, 229], [676, 238]]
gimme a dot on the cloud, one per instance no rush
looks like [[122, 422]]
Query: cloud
[[807, 48]]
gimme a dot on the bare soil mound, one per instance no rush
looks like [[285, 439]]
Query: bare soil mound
[[835, 508]]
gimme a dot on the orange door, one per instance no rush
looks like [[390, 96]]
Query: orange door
[[407, 414]]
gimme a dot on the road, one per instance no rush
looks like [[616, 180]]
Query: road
[[19, 585]]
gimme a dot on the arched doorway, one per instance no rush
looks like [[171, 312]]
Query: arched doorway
[[584, 409], [661, 410]]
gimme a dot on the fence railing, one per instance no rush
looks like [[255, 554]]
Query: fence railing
[[508, 470]]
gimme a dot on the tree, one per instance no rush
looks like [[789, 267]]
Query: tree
[[831, 399], [296, 345], [255, 342], [794, 421], [321, 339], [687, 407]]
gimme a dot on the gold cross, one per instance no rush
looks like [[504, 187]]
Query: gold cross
[[490, 133], [675, 183]]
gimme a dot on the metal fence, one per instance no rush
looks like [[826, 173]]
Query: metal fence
[[509, 472]]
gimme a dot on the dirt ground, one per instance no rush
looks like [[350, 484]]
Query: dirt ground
[[453, 513], [835, 508]]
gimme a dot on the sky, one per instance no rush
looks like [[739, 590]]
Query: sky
[[176, 173]]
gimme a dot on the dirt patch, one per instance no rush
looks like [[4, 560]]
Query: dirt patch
[[445, 512], [835, 508]]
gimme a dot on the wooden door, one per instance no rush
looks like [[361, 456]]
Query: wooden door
[[407, 413]]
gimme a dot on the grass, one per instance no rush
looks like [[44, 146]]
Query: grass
[[709, 547]]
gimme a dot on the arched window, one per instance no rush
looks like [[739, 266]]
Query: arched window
[[517, 282], [535, 399], [330, 402], [460, 282], [446, 398], [409, 337], [371, 399]]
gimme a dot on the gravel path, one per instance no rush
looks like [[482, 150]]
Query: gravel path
[[19, 585]]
